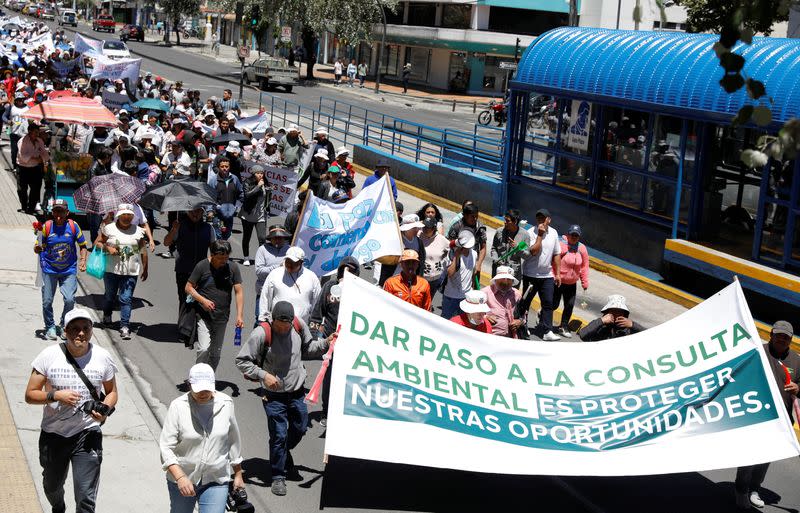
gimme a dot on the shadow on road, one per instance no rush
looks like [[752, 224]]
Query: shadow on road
[[161, 332], [352, 483]]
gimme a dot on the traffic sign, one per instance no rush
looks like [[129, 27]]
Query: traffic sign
[[286, 34], [508, 65], [244, 52]]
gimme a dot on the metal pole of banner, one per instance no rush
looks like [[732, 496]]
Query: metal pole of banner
[[241, 80]]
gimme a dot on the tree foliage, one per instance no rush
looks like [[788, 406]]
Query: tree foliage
[[715, 15], [350, 20]]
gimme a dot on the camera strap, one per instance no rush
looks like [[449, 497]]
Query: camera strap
[[79, 371]]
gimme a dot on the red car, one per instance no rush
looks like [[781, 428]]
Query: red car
[[104, 22], [132, 32]]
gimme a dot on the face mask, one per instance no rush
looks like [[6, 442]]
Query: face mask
[[475, 319]]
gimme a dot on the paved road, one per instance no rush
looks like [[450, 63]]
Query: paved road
[[178, 65], [350, 485]]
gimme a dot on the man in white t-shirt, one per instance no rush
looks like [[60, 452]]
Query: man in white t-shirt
[[71, 422], [460, 269], [293, 283], [541, 271]]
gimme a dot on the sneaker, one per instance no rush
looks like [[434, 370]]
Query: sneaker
[[323, 422], [125, 333], [38, 209], [106, 320], [564, 332], [742, 500], [166, 254], [61, 333], [246, 262], [51, 334], [279, 487], [756, 500], [550, 337]]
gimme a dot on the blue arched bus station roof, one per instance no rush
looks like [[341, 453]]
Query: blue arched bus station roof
[[670, 72]]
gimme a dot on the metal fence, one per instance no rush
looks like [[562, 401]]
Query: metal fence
[[477, 151]]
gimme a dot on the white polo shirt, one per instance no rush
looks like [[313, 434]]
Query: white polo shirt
[[541, 265]]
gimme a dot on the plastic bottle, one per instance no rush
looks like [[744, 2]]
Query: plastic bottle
[[237, 337]]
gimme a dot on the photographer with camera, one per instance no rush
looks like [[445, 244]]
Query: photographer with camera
[[613, 324], [200, 444], [75, 383]]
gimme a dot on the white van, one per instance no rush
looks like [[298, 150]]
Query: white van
[[67, 17]]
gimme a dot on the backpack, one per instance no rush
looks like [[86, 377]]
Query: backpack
[[48, 227], [267, 327]]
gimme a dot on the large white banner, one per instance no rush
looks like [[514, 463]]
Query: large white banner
[[86, 45], [115, 101], [257, 124], [695, 393], [283, 182], [364, 227], [117, 69], [62, 68]]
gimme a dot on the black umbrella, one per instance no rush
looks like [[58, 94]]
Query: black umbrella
[[178, 196], [231, 136]]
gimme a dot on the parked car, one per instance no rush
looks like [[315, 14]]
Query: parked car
[[68, 17], [132, 32], [270, 72], [116, 50], [47, 13], [104, 22]]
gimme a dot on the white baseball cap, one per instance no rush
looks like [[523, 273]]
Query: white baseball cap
[[295, 254], [77, 313], [271, 141], [292, 128], [410, 221], [341, 150], [124, 208], [321, 131], [201, 378]]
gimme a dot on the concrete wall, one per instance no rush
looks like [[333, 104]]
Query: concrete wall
[[440, 66], [617, 234], [445, 181]]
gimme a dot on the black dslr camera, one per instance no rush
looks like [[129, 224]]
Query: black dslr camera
[[98, 406], [237, 501]]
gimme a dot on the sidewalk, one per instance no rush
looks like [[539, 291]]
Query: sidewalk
[[132, 480]]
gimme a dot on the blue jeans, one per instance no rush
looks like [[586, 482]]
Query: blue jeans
[[287, 418], [211, 498], [122, 286], [450, 307], [223, 226], [68, 284], [436, 285], [545, 287]]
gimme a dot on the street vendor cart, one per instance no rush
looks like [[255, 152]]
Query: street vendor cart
[[69, 170]]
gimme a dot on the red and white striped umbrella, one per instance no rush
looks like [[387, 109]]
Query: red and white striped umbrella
[[72, 110]]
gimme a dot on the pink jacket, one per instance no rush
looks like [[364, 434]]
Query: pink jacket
[[574, 265]]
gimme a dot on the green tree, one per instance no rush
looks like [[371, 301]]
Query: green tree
[[737, 21], [350, 20], [174, 10]]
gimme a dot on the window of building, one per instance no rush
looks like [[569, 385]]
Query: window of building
[[574, 174], [625, 137], [538, 164], [543, 117], [578, 127], [621, 187], [394, 18], [525, 21], [391, 60], [494, 78], [420, 59], [458, 73], [421, 14], [456, 16], [670, 25]]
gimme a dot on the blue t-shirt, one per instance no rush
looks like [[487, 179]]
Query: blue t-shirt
[[59, 255], [374, 178]]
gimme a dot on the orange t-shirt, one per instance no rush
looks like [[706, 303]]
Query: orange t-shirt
[[418, 293]]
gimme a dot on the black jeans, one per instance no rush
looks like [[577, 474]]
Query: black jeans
[[545, 287], [30, 178], [568, 292], [14, 141], [749, 479], [247, 231], [85, 452]]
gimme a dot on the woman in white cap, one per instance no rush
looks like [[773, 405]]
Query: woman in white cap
[[474, 308], [321, 141], [266, 152], [124, 243], [613, 324], [200, 443]]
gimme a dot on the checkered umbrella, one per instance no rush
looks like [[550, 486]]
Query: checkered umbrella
[[102, 194]]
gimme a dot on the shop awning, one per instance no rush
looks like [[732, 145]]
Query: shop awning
[[456, 46], [533, 5], [668, 71]]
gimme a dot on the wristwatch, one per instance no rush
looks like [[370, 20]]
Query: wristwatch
[[51, 396]]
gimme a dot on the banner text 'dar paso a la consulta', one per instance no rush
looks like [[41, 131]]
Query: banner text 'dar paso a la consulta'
[[695, 393]]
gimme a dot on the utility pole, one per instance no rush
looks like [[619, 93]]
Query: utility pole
[[573, 13], [380, 49]]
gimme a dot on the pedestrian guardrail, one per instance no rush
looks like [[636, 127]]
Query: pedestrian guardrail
[[477, 151]]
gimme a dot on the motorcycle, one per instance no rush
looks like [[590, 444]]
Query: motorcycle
[[190, 32], [495, 110]]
